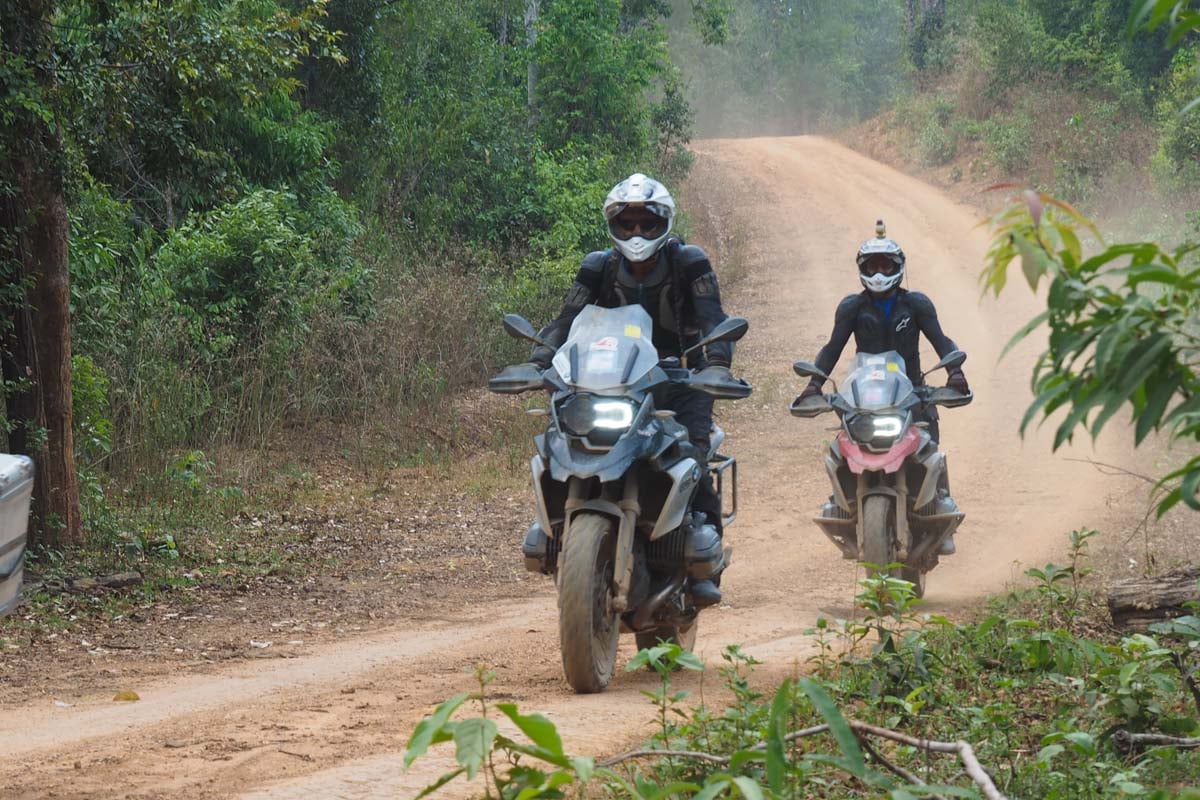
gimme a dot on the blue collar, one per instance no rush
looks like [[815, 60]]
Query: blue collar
[[885, 305]]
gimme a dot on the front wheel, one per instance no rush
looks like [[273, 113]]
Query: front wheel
[[879, 543], [587, 624], [879, 534]]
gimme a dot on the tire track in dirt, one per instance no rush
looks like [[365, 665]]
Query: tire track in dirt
[[332, 723]]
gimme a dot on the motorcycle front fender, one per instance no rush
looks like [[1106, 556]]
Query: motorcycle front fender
[[860, 461], [571, 462]]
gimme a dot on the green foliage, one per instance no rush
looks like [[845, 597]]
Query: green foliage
[[1010, 142], [1041, 704], [260, 266], [272, 204], [1121, 328]]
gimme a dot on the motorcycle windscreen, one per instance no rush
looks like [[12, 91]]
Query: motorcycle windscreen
[[878, 381], [608, 348]]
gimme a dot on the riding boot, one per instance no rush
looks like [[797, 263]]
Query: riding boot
[[945, 505]]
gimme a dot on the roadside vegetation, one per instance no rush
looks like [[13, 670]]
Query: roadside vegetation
[[1038, 697], [1063, 95], [293, 228]]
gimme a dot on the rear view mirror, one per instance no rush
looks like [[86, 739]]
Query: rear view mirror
[[728, 330], [953, 360], [520, 328]]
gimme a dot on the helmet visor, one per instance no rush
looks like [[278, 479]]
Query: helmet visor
[[637, 221], [879, 264]]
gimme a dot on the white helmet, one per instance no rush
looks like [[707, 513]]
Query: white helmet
[[881, 245], [639, 243]]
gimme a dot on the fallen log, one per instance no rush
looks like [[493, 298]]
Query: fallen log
[[1137, 602]]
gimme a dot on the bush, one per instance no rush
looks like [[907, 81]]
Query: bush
[[257, 267], [1010, 142], [937, 142]]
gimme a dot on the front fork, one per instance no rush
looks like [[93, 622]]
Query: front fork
[[625, 511]]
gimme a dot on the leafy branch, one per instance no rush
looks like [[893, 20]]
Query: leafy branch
[[1123, 328]]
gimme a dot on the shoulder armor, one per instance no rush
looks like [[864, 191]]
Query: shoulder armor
[[851, 301], [687, 255], [919, 301], [594, 261]]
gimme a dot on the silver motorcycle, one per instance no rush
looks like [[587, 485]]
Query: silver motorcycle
[[890, 503], [614, 478]]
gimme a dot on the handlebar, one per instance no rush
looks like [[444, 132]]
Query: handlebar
[[817, 404], [519, 378]]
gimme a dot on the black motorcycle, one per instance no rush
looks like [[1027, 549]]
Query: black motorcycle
[[614, 479]]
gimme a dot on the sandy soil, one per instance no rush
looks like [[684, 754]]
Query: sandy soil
[[331, 720]]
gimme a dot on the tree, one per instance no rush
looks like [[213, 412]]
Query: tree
[[34, 245]]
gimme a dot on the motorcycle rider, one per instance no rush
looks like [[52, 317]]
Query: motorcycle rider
[[885, 317], [675, 283]]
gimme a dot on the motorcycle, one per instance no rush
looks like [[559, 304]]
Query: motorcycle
[[890, 502], [614, 479]]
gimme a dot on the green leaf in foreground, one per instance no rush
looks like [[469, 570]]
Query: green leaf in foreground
[[847, 741], [431, 729], [473, 739]]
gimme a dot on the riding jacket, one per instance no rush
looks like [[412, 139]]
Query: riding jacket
[[680, 293], [882, 324]]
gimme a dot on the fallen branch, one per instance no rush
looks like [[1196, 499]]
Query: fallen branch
[[896, 769], [963, 750], [692, 754], [1126, 741]]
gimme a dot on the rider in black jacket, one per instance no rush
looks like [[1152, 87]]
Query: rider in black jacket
[[676, 285], [886, 317]]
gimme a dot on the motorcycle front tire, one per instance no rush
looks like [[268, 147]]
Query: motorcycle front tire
[[879, 542], [588, 627]]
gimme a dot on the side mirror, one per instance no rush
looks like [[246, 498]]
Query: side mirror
[[806, 370], [728, 330], [951, 361], [520, 328]]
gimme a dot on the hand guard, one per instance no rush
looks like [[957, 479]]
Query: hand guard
[[812, 390]]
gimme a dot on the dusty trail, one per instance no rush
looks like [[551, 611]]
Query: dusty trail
[[331, 723]]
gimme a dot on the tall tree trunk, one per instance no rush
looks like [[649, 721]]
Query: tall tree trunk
[[532, 10], [34, 232]]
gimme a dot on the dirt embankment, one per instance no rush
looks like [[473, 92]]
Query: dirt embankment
[[329, 719]]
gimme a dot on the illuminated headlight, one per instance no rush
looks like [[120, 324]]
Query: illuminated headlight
[[887, 427], [583, 414], [613, 415], [877, 431]]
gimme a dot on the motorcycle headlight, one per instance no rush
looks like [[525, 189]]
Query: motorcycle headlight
[[583, 414], [876, 431], [613, 415]]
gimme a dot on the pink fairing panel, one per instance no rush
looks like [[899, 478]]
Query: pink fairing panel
[[861, 461]]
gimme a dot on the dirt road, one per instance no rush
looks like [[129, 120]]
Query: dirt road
[[331, 722]]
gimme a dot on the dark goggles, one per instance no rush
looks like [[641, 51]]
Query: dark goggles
[[625, 226], [879, 263]]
